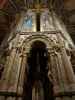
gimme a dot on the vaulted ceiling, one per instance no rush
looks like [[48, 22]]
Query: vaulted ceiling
[[10, 12]]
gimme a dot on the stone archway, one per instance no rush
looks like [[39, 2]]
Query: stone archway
[[38, 85], [46, 44]]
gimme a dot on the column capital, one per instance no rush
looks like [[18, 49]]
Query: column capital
[[51, 51], [24, 54]]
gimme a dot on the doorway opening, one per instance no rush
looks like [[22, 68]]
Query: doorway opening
[[38, 74]]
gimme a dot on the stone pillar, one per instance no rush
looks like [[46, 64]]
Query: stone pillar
[[8, 68], [23, 74], [56, 71], [51, 64], [10, 77], [67, 65], [11, 74]]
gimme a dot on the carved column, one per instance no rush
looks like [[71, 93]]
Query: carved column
[[23, 73], [67, 66], [57, 73], [56, 70], [51, 71], [5, 79]]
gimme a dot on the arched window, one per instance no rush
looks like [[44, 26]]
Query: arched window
[[46, 21], [27, 22]]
